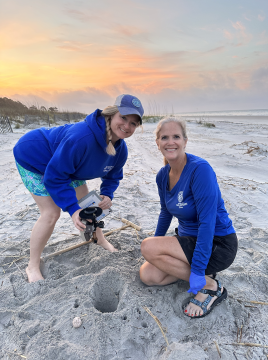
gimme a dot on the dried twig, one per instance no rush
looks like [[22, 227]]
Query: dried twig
[[249, 301], [157, 321], [14, 353], [249, 344], [10, 255], [11, 263], [259, 302], [241, 333], [217, 347]]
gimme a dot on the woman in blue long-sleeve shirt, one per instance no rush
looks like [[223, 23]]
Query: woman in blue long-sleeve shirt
[[54, 164], [206, 242]]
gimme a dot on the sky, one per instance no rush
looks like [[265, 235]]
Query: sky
[[174, 55]]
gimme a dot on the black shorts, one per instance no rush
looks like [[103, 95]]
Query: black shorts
[[223, 253]]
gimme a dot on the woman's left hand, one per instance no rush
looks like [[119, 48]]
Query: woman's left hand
[[197, 282], [106, 202]]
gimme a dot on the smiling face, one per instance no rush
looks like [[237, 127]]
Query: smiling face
[[171, 142], [123, 126]]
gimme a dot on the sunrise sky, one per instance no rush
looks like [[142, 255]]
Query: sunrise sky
[[189, 55]]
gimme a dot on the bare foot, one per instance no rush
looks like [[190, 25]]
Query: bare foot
[[193, 310], [34, 274], [107, 246], [103, 242]]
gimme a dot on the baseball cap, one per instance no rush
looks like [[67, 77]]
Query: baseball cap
[[128, 105]]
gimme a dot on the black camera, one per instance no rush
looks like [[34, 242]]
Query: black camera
[[91, 213]]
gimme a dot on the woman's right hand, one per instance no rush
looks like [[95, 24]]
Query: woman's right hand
[[77, 221]]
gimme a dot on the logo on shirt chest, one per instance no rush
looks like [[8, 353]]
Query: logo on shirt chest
[[180, 204], [107, 169]]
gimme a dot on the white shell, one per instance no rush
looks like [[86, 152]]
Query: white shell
[[77, 322]]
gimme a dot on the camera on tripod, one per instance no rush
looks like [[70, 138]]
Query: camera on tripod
[[91, 213]]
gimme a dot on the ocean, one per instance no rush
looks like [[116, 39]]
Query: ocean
[[259, 116], [232, 113]]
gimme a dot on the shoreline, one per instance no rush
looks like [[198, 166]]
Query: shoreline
[[233, 119]]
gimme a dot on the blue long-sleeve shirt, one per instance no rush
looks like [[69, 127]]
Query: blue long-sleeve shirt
[[72, 152], [197, 203]]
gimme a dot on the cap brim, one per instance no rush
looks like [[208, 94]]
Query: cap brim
[[129, 111]]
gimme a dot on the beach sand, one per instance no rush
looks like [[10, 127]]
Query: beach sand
[[104, 289]]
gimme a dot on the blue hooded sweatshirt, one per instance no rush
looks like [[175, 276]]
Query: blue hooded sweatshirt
[[72, 152]]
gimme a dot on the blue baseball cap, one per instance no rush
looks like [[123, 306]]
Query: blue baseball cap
[[128, 105]]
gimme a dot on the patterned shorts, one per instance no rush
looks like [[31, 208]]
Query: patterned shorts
[[35, 182]]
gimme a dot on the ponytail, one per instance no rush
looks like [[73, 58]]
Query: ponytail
[[110, 148], [108, 112]]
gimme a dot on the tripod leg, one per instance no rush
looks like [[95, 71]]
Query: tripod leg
[[94, 237]]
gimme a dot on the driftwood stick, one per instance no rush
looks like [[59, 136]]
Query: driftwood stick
[[127, 222], [112, 231], [67, 249], [81, 244], [131, 224]]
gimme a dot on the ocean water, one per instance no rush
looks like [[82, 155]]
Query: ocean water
[[231, 113]]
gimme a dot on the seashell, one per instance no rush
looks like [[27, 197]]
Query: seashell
[[77, 322]]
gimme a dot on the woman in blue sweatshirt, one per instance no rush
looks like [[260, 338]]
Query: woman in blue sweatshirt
[[55, 162], [206, 242]]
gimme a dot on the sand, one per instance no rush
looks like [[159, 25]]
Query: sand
[[104, 289]]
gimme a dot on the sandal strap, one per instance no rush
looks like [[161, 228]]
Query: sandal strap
[[203, 305], [212, 292]]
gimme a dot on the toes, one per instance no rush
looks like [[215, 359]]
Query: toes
[[193, 311]]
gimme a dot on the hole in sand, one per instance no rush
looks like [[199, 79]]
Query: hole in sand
[[143, 324], [106, 303], [76, 304], [124, 317], [107, 292]]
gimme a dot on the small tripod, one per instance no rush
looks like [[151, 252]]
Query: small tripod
[[91, 213]]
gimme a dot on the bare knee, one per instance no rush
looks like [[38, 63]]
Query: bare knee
[[50, 216], [147, 247], [146, 277]]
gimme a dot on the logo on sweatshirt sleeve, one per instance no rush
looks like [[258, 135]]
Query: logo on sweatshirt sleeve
[[107, 169], [180, 204]]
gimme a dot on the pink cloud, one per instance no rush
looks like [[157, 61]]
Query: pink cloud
[[241, 32], [239, 26], [228, 35]]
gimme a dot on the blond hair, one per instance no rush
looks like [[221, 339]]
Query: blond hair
[[167, 120], [108, 112]]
